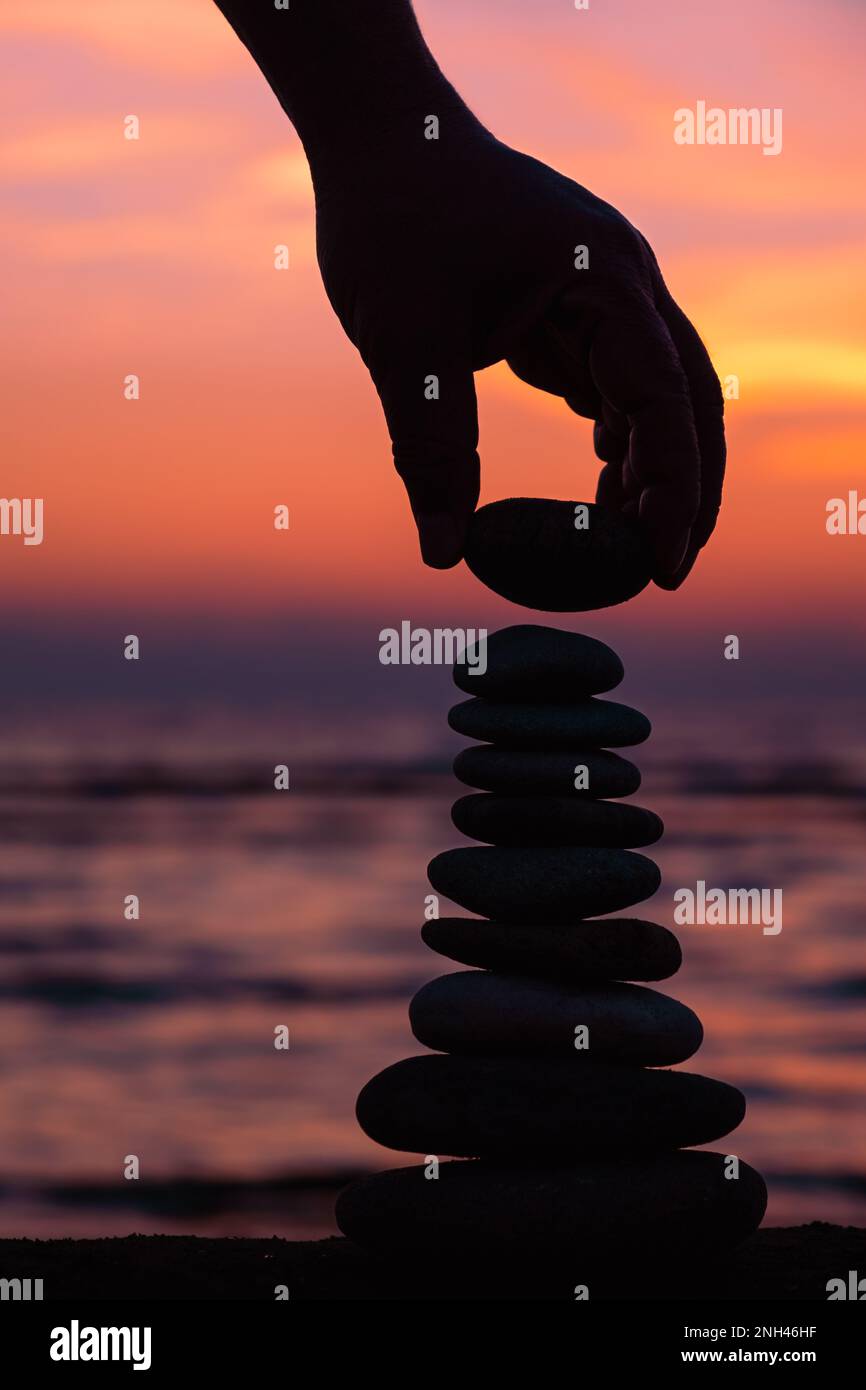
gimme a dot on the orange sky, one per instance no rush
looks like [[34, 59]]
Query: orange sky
[[155, 257]]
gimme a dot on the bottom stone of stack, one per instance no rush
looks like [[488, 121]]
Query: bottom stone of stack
[[651, 1211]]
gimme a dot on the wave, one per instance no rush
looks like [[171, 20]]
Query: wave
[[98, 992], [160, 780]]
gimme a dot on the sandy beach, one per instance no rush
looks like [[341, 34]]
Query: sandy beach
[[782, 1263]]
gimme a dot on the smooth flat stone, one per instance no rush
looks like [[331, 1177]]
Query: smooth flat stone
[[528, 550], [532, 1108], [475, 1013], [645, 1212], [554, 820], [618, 948], [530, 662], [507, 770], [555, 885], [583, 724]]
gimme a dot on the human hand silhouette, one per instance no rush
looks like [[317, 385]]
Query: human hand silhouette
[[467, 256], [444, 255]]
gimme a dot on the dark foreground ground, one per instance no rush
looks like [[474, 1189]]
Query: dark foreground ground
[[781, 1263]]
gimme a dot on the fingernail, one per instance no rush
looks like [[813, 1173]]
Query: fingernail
[[671, 554], [672, 579], [440, 544]]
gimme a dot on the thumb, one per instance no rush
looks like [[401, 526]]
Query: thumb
[[427, 391]]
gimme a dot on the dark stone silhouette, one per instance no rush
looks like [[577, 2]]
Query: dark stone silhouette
[[554, 820], [623, 1215], [617, 948], [534, 1108], [584, 724], [506, 770], [478, 1013], [541, 664], [529, 550], [548, 1070], [560, 883]]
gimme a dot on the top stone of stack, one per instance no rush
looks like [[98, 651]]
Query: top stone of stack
[[538, 664]]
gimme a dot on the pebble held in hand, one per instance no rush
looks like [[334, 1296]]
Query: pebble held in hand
[[529, 550]]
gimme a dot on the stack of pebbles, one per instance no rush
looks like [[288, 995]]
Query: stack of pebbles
[[548, 1070]]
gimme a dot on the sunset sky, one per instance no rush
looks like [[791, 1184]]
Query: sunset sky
[[156, 257], [260, 648]]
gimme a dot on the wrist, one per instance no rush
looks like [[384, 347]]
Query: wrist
[[352, 75]]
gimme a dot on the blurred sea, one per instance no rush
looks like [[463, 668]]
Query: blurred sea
[[155, 1037]]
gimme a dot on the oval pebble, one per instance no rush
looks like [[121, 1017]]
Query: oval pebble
[[584, 724], [476, 1013], [625, 1213], [512, 770], [529, 550], [554, 820], [616, 948], [528, 661], [556, 885], [530, 1108]]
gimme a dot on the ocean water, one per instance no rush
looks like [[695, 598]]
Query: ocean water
[[155, 1037]]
